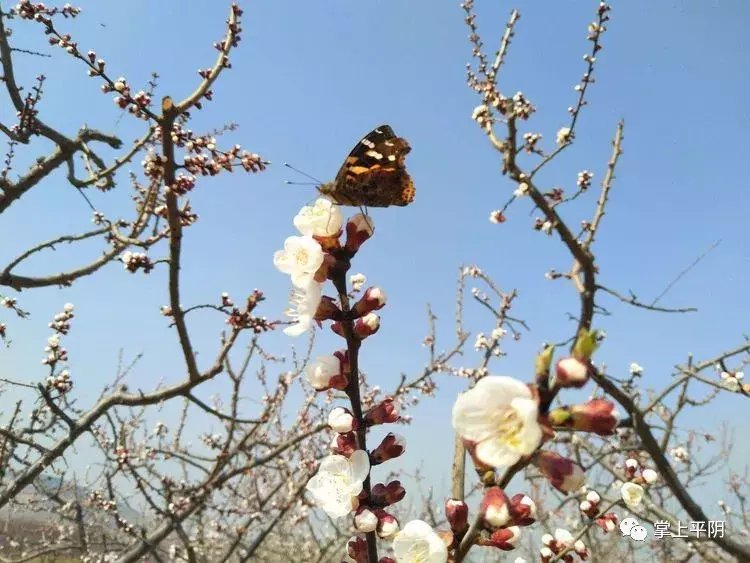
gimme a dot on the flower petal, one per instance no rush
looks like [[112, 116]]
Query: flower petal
[[496, 453], [360, 465], [531, 432], [503, 388]]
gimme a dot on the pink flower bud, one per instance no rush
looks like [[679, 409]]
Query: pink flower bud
[[387, 524], [373, 299], [562, 473], [572, 372], [457, 514], [590, 506], [362, 327], [504, 538], [385, 412], [365, 520], [597, 415], [392, 446], [341, 420], [366, 326], [522, 510], [358, 229], [329, 372], [580, 548], [344, 444], [357, 549], [385, 495], [650, 476], [608, 522], [631, 466], [494, 508]]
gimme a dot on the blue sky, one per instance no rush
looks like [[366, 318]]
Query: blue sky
[[310, 78]]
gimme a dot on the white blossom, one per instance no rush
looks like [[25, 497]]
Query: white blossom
[[730, 381], [300, 258], [322, 219], [417, 542], [500, 415], [680, 454], [632, 494], [357, 281], [564, 135], [303, 306], [337, 483], [521, 190]]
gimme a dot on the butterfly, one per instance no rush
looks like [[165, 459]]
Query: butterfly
[[374, 174]]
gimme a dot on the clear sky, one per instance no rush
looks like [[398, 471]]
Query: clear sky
[[310, 78]]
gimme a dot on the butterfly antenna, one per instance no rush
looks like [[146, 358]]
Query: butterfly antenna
[[290, 183], [305, 174], [363, 209]]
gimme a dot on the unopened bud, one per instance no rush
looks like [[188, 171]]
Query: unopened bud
[[571, 372], [365, 520], [387, 524], [494, 508], [341, 420], [373, 299], [358, 229], [457, 514], [385, 412], [391, 447], [565, 475]]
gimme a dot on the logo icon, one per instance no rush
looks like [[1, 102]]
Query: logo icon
[[632, 528]]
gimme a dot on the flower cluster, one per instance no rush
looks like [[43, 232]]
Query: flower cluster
[[563, 545], [134, 261], [136, 104], [317, 255], [54, 351], [241, 319], [733, 380], [503, 423], [632, 491], [341, 485], [28, 10], [61, 322], [530, 141], [61, 382], [583, 180], [204, 156]]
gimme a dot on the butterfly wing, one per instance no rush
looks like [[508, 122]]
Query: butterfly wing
[[374, 174]]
